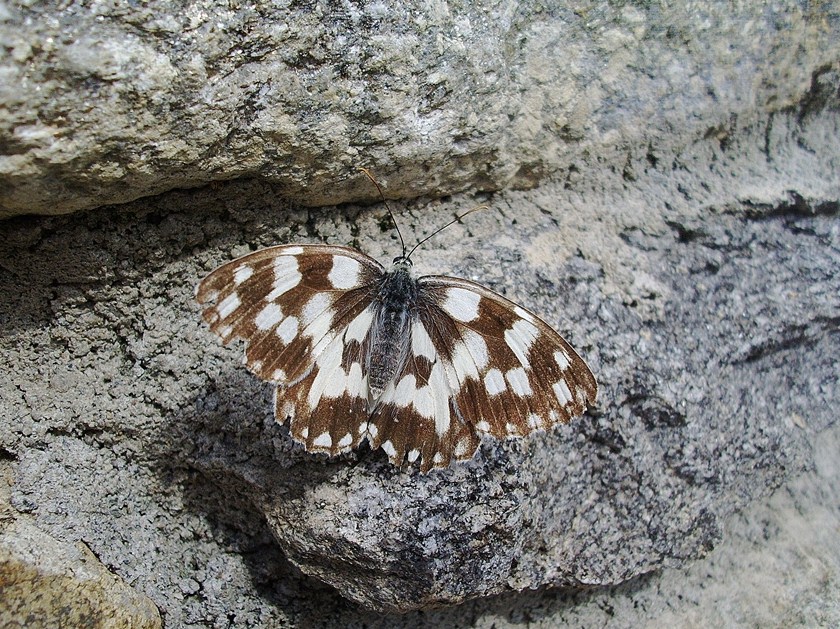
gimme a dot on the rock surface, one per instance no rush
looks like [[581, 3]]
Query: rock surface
[[711, 363], [48, 583], [701, 284], [104, 102], [685, 239]]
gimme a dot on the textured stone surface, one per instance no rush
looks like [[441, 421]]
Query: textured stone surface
[[104, 102], [45, 582], [728, 346], [701, 284]]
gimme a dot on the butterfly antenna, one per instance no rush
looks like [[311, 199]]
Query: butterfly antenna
[[387, 207], [452, 222]]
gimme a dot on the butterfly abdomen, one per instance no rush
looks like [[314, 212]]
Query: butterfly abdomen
[[396, 306]]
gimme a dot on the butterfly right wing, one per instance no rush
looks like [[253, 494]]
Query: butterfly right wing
[[510, 371], [304, 312], [478, 364]]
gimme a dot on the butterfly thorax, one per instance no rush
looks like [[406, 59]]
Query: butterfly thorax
[[395, 306]]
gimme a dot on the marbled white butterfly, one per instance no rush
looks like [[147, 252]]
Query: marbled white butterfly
[[420, 367]]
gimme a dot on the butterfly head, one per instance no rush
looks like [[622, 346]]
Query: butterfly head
[[402, 263]]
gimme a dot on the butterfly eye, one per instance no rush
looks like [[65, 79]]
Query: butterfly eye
[[402, 261]]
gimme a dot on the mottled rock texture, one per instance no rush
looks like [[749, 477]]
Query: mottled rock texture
[[103, 102], [703, 291], [47, 583], [685, 238]]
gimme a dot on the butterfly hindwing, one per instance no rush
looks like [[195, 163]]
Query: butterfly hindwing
[[416, 416], [328, 408]]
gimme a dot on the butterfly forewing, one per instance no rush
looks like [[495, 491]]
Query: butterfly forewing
[[421, 368], [300, 310], [510, 371]]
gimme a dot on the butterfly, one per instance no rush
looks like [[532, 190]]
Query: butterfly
[[421, 367]]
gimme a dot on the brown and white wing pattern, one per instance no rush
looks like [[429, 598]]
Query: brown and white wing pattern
[[419, 367], [510, 371], [478, 364], [304, 312], [417, 416]]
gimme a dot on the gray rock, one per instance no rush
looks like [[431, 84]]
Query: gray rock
[[104, 103], [706, 389], [685, 240], [47, 582], [703, 290]]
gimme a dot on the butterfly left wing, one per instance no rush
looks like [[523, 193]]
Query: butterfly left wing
[[304, 312]]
